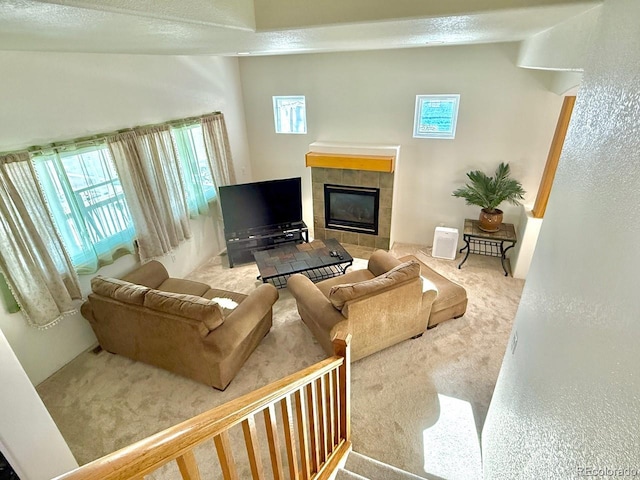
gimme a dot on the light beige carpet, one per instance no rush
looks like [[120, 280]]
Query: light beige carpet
[[103, 402]]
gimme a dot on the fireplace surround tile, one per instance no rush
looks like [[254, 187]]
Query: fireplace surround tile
[[365, 240], [385, 216], [386, 197], [319, 175], [386, 180], [318, 194], [369, 179], [350, 237], [337, 234], [383, 242], [334, 175], [351, 177], [356, 178]]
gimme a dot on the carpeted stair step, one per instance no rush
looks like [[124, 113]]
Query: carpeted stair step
[[347, 475], [367, 467]]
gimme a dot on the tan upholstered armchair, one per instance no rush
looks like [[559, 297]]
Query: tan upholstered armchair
[[380, 306], [182, 326]]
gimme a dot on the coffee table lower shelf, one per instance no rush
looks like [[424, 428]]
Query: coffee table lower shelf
[[314, 274]]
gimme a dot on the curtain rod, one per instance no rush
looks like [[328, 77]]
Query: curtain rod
[[100, 137]]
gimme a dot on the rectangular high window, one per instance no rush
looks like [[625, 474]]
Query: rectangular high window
[[436, 116], [289, 114]]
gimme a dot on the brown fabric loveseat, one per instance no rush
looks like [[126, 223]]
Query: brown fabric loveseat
[[179, 325], [379, 306]]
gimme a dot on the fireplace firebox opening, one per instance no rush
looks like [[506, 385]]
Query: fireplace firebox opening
[[354, 209]]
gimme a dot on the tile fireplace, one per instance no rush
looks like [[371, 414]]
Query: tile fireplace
[[352, 193]]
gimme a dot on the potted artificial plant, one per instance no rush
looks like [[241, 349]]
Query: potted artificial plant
[[489, 192]]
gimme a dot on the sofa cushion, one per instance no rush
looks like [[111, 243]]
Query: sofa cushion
[[449, 292], [207, 312], [180, 285], [151, 274], [354, 276], [119, 289], [341, 294]]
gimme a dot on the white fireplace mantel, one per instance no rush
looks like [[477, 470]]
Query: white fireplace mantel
[[347, 148]]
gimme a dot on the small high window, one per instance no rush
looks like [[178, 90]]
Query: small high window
[[289, 114], [436, 116]]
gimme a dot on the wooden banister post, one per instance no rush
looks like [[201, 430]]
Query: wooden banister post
[[553, 157], [341, 348]]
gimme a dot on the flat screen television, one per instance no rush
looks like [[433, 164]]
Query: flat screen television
[[250, 206]]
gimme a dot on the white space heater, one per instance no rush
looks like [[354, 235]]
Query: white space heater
[[445, 243]]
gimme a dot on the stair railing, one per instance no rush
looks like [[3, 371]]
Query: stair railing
[[316, 422]]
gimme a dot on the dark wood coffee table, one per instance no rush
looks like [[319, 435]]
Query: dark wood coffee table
[[313, 259]]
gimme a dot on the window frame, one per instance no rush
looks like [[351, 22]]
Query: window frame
[[276, 117], [59, 185], [450, 134]]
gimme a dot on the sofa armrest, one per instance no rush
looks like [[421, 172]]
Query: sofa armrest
[[381, 262], [239, 323], [312, 300], [86, 309], [429, 293]]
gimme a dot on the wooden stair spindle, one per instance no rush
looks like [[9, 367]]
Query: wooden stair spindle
[[313, 427], [227, 464], [331, 414], [335, 375], [287, 419], [188, 466], [303, 435], [253, 450], [274, 445], [322, 430]]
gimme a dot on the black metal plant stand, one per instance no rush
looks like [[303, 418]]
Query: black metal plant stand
[[490, 244]]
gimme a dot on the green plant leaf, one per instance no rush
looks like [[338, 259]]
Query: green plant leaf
[[489, 192]]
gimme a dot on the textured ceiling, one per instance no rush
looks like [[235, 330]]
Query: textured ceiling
[[227, 27]]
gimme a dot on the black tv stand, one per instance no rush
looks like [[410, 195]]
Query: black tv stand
[[241, 245]]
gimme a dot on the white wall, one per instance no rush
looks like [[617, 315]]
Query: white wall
[[506, 114], [566, 83], [50, 97], [29, 439], [527, 232], [569, 395], [562, 47]]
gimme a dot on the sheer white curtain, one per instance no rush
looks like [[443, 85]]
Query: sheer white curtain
[[32, 258], [196, 173], [216, 143], [149, 173], [87, 206]]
